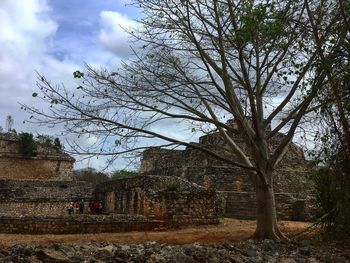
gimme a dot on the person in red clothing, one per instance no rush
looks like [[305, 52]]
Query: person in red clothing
[[77, 207], [96, 207]]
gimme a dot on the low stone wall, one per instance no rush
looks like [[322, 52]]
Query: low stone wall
[[290, 206], [33, 208], [77, 224]]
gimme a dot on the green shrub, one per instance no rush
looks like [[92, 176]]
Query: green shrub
[[329, 200], [90, 175], [45, 141], [27, 145], [58, 145], [121, 174], [325, 192], [173, 185]]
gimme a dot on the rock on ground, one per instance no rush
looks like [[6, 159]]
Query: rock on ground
[[238, 252]]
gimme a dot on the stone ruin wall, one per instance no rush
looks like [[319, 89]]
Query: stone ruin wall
[[33, 208], [290, 176], [146, 196], [41, 198], [34, 168], [292, 185], [289, 206], [40, 207], [77, 224], [46, 165]]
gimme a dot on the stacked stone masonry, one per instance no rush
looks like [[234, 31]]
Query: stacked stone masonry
[[174, 200], [35, 193], [77, 224], [47, 164], [44, 198], [236, 195]]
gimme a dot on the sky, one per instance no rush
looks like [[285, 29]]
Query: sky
[[55, 38]]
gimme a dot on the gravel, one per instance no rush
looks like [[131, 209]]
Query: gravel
[[239, 252]]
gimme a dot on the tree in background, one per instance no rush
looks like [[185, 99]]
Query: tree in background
[[90, 175], [122, 174], [58, 145], [27, 144], [204, 62], [333, 139], [49, 142], [9, 123], [30, 145]]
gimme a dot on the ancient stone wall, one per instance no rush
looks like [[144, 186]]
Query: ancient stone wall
[[34, 208], [291, 176], [186, 208], [49, 198], [157, 159], [171, 199], [15, 190], [47, 164], [224, 178], [39, 168], [77, 224], [289, 206]]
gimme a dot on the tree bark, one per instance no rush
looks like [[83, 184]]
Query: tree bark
[[266, 224]]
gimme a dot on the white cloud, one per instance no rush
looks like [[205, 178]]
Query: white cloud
[[113, 35], [26, 34], [25, 30], [28, 42]]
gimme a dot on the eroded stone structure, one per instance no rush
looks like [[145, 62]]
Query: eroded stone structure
[[47, 164], [172, 199], [292, 185], [35, 192], [39, 185], [41, 198]]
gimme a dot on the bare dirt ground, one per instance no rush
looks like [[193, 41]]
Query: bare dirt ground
[[228, 230]]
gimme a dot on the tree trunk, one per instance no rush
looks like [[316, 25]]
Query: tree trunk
[[266, 227]]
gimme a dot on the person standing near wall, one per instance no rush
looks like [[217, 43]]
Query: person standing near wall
[[77, 207], [81, 207], [96, 207], [70, 208], [100, 207]]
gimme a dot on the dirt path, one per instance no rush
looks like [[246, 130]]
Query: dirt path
[[228, 230]]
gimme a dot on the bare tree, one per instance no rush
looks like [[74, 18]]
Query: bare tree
[[203, 62]]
